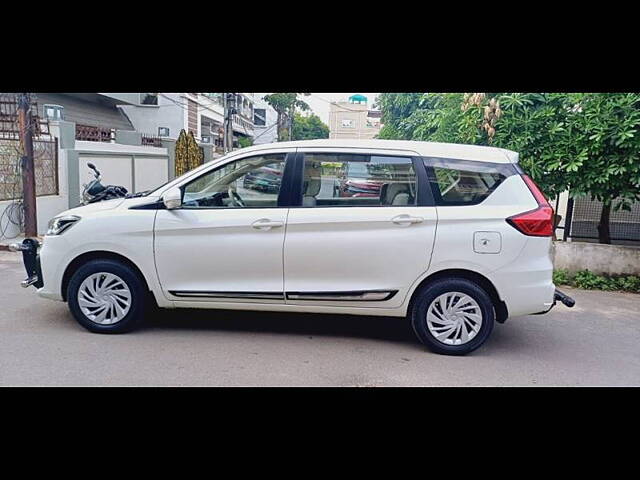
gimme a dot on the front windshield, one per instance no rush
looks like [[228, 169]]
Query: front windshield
[[155, 191]]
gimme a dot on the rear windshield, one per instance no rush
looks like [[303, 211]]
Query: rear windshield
[[465, 182]]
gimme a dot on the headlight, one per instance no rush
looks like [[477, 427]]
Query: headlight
[[58, 225]]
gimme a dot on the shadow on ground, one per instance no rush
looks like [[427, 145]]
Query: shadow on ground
[[379, 328]]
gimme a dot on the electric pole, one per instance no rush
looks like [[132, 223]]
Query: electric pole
[[225, 120], [229, 110], [28, 171]]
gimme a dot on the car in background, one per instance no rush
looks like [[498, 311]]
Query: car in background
[[264, 179]]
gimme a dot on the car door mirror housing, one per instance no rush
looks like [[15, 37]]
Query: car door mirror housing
[[172, 198]]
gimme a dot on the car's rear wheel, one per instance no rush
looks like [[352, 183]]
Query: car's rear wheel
[[107, 296], [452, 316]]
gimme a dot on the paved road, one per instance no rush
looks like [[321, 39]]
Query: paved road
[[595, 343]]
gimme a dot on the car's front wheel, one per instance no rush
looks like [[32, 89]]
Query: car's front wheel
[[452, 316], [107, 296]]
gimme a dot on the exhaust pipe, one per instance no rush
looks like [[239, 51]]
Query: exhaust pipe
[[564, 298]]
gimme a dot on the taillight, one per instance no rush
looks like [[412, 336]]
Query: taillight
[[538, 222]]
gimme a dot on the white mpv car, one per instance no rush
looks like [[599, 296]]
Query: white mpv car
[[455, 237]]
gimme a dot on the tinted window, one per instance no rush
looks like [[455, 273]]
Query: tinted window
[[460, 182], [357, 180], [250, 182]]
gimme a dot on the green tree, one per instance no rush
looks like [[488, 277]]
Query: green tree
[[285, 105], [588, 143], [397, 109], [309, 127], [607, 137], [245, 142]]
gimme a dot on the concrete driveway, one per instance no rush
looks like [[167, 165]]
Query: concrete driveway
[[595, 343]]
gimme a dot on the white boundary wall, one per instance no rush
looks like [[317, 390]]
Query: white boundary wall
[[135, 167]]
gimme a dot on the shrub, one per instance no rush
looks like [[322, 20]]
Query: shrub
[[591, 281], [561, 277], [629, 283]]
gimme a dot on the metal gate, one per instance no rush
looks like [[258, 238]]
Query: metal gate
[[45, 158], [583, 216]]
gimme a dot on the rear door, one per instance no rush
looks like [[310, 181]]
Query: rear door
[[363, 231]]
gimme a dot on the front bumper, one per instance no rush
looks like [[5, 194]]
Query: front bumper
[[29, 248]]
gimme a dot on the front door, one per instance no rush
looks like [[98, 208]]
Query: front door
[[363, 234], [225, 242]]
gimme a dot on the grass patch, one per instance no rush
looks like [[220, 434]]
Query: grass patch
[[590, 281]]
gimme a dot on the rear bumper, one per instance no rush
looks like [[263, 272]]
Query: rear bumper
[[559, 296]]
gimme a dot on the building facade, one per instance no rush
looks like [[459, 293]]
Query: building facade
[[199, 113], [265, 120], [353, 119], [95, 115]]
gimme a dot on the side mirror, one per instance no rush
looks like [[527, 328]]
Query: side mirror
[[172, 198]]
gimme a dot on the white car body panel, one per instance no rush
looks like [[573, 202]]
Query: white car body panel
[[216, 250], [317, 249], [108, 226], [344, 249]]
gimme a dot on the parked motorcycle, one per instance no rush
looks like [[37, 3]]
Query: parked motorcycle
[[94, 191]]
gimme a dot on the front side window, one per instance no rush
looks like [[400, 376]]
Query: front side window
[[249, 182], [461, 182], [347, 180]]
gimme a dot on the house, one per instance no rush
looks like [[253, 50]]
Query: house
[[96, 116], [353, 119], [199, 113], [73, 130], [265, 119]]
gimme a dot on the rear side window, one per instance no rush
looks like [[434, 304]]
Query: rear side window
[[354, 180], [464, 182]]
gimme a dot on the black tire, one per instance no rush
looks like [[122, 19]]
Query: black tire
[[429, 293], [139, 297]]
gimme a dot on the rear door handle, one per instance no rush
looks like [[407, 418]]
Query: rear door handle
[[406, 220], [266, 224]]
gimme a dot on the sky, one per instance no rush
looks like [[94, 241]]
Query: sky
[[319, 102]]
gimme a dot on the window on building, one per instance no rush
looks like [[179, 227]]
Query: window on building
[[207, 139], [54, 112], [345, 180], [259, 117], [149, 98], [347, 123], [163, 131]]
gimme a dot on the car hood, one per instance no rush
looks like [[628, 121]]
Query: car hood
[[107, 205]]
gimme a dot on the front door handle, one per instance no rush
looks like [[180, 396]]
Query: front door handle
[[406, 220], [266, 224]]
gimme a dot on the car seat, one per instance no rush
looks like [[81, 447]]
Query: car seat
[[396, 194]]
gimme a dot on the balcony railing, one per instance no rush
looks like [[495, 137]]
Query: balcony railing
[[95, 134], [151, 140]]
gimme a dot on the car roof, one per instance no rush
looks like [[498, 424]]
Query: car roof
[[426, 149]]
